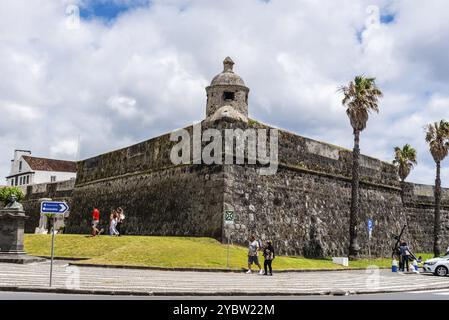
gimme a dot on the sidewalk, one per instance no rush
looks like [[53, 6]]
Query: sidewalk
[[88, 280]]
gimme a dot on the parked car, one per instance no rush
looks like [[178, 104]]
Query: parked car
[[438, 266]]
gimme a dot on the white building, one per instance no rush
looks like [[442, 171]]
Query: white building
[[27, 170]]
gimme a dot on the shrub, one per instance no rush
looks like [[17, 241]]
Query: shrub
[[6, 192]]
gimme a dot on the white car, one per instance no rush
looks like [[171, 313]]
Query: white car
[[438, 266]]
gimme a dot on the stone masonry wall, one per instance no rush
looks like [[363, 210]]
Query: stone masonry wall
[[308, 214], [304, 207], [178, 201], [419, 203], [57, 191]]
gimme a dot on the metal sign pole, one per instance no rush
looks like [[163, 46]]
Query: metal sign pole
[[52, 249], [227, 258], [369, 246], [370, 232], [52, 209], [228, 220]]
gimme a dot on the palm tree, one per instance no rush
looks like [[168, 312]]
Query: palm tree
[[404, 159], [361, 97], [437, 136]]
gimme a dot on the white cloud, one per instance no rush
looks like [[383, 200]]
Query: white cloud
[[124, 106], [144, 73], [66, 149]]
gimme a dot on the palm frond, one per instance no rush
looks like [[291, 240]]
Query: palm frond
[[360, 97]]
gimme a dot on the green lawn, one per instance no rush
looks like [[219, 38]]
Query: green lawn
[[168, 252]]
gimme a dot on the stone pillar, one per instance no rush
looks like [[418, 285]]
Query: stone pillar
[[12, 225]]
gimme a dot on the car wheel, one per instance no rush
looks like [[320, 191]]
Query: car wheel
[[441, 271]]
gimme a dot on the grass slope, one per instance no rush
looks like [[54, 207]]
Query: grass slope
[[169, 252]]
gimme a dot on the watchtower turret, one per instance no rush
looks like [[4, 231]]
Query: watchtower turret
[[227, 95]]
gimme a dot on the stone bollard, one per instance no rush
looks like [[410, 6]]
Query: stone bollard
[[12, 225]]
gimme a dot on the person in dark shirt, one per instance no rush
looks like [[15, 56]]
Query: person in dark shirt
[[268, 254], [405, 256]]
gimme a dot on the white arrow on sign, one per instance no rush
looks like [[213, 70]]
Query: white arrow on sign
[[63, 207]]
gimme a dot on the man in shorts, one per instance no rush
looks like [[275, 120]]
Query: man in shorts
[[253, 253], [96, 222]]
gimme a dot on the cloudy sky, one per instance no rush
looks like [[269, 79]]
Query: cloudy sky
[[123, 71]]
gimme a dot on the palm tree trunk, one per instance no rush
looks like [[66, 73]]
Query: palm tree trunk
[[402, 190], [437, 222], [354, 216]]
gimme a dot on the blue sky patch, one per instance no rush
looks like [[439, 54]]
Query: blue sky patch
[[387, 18], [108, 10], [384, 19]]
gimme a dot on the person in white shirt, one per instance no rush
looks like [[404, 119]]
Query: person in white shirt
[[253, 253], [113, 224]]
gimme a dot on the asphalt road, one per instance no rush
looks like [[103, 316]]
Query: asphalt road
[[417, 295]]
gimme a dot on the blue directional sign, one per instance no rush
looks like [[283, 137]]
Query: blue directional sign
[[54, 207], [370, 225]]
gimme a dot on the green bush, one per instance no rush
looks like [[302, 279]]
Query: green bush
[[6, 192]]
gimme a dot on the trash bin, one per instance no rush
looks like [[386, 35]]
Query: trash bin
[[394, 266]]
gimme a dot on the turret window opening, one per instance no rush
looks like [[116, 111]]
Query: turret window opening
[[227, 95]]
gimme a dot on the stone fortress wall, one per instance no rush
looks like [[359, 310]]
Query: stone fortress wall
[[304, 207], [57, 191]]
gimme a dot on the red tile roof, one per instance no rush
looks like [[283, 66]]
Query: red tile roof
[[43, 164]]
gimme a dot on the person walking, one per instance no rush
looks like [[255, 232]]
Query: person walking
[[268, 254], [253, 252], [120, 219], [113, 224], [95, 222], [405, 256]]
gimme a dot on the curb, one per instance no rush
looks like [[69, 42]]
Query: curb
[[207, 270], [205, 294], [75, 291], [64, 258]]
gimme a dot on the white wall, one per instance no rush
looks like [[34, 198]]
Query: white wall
[[26, 171], [45, 176], [15, 162]]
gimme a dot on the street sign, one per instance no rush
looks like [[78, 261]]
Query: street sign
[[370, 232], [370, 226], [54, 207], [229, 217]]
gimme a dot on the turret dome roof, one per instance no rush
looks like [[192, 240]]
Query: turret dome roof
[[227, 77]]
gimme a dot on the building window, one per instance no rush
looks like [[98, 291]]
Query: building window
[[53, 179], [16, 181], [12, 182], [28, 179], [20, 166], [228, 95], [20, 181]]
